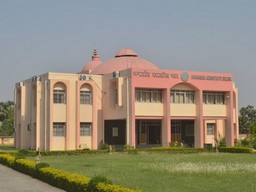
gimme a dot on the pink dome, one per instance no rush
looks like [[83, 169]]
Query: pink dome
[[124, 59], [88, 67], [126, 52]]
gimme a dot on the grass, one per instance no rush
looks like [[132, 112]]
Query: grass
[[7, 148], [167, 172]]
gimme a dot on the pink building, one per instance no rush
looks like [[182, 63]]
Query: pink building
[[125, 100]]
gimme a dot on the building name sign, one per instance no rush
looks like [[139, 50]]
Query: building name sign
[[184, 76], [211, 78], [155, 75]]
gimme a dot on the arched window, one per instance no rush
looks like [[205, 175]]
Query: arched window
[[86, 95], [59, 93]]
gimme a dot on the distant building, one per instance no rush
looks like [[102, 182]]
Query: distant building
[[125, 100]]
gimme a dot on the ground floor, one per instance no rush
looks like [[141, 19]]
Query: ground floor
[[183, 132]]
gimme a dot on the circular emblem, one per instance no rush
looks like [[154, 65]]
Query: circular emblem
[[184, 76]]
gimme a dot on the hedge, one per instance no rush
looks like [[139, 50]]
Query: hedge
[[104, 187], [64, 180], [7, 160], [235, 149], [172, 150], [67, 181]]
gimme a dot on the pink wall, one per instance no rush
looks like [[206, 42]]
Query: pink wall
[[201, 81]]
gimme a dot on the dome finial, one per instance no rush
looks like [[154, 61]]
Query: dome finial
[[95, 52], [95, 55]]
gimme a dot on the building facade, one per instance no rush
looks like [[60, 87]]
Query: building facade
[[125, 100]]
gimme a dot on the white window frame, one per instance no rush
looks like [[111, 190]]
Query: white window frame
[[86, 97], [210, 128], [59, 129], [59, 96], [182, 96], [214, 98], [85, 129], [149, 95]]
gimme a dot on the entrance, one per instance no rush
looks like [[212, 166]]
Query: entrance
[[182, 131], [115, 132], [148, 132]]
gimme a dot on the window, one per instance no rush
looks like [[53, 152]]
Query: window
[[85, 129], [59, 129], [85, 97], [217, 98], [58, 96], [115, 131], [210, 128], [182, 96], [149, 95]]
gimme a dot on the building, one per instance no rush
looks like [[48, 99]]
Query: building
[[125, 100]]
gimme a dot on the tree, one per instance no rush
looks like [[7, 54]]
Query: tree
[[7, 118], [247, 120], [4, 109]]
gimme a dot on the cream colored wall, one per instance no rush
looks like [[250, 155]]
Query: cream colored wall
[[59, 113], [221, 127], [219, 131], [214, 110], [86, 142], [182, 109], [114, 109], [58, 143], [209, 139], [85, 113], [149, 109], [76, 113]]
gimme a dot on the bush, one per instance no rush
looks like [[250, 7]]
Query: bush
[[7, 160], [25, 166], [105, 187], [246, 142], [235, 149], [64, 180], [24, 153], [41, 165], [92, 185], [105, 146], [222, 142], [69, 182]]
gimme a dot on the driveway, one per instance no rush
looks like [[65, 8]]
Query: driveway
[[13, 181]]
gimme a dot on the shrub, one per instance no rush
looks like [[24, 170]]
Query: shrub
[[41, 165], [246, 142], [24, 153], [92, 185], [25, 166], [105, 146], [7, 160], [105, 187], [235, 149], [64, 180], [222, 142]]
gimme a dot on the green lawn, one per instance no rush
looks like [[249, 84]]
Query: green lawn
[[167, 172], [7, 148]]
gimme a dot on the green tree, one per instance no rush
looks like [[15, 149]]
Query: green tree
[[7, 118], [247, 120]]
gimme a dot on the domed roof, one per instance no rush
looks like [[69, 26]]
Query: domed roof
[[126, 52], [88, 67], [124, 59]]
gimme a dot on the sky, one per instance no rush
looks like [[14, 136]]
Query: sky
[[37, 37]]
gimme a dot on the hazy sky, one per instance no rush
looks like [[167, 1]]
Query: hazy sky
[[59, 36]]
